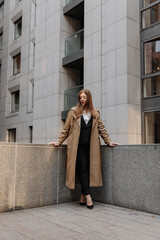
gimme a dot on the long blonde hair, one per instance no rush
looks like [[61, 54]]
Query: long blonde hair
[[88, 105]]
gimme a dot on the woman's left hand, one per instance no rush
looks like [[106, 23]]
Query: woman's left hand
[[113, 144]]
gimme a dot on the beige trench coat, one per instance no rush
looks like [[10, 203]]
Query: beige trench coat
[[72, 131]]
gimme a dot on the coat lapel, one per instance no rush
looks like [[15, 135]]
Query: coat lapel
[[94, 120], [77, 120]]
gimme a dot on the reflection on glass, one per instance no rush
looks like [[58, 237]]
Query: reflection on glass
[[74, 43], [152, 127], [71, 97], [152, 56], [148, 2], [151, 16], [151, 86]]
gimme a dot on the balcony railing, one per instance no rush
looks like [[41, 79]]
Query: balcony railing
[[74, 43], [68, 1], [71, 96]]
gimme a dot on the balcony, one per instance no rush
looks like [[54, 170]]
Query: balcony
[[74, 50], [68, 1], [74, 43], [74, 9], [70, 99]]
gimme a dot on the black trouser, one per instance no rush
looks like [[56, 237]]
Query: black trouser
[[82, 166]]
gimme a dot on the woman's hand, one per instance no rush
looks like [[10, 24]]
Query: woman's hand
[[55, 144], [113, 144]]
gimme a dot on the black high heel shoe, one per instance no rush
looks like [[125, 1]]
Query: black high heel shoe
[[89, 206], [82, 203]]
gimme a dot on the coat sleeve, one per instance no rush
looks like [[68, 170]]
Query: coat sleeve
[[64, 133], [103, 132]]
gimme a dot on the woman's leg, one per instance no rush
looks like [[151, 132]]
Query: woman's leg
[[83, 168], [83, 172], [89, 201]]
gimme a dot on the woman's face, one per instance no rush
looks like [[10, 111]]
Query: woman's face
[[83, 99]]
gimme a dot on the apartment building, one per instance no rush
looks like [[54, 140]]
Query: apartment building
[[50, 49]]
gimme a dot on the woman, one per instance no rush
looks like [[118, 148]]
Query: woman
[[83, 127]]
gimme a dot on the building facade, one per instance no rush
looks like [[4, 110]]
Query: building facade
[[50, 49]]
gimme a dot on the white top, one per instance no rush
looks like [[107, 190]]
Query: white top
[[86, 117]]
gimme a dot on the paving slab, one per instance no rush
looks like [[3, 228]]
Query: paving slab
[[70, 221]]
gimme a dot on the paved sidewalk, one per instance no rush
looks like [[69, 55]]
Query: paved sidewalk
[[70, 221]]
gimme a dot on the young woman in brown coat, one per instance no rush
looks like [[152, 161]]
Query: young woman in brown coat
[[82, 128]]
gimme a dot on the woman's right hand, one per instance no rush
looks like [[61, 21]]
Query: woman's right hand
[[55, 144]]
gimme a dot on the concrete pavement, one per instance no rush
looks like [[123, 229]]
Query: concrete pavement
[[71, 221]]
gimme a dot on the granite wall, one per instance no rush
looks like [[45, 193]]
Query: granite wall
[[131, 177], [34, 175]]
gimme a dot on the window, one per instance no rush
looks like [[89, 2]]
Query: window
[[148, 2], [33, 15], [151, 16], [16, 64], [15, 101], [11, 135], [152, 56], [151, 83], [2, 10], [150, 71], [152, 127], [17, 1], [151, 86], [32, 54], [31, 134], [1, 41], [18, 28], [34, 47], [35, 10], [32, 95]]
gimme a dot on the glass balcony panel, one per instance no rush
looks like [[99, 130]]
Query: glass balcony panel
[[17, 1], [71, 97], [74, 43], [68, 1], [151, 16]]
